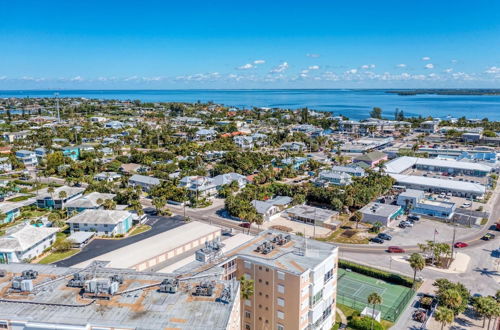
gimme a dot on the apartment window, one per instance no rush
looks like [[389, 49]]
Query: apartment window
[[247, 264], [281, 288], [248, 302], [267, 282], [328, 275], [281, 275], [280, 327], [280, 315], [260, 280], [247, 327], [280, 302], [248, 315], [260, 267], [317, 297]]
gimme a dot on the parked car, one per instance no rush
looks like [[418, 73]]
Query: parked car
[[413, 217], [385, 236], [460, 245], [488, 237], [406, 223], [395, 249], [466, 205], [496, 253], [377, 240], [419, 315], [245, 224]]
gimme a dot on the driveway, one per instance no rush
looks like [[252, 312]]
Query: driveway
[[100, 246]]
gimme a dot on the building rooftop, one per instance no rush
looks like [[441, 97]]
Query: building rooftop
[[137, 304], [144, 179], [401, 164], [6, 207], [439, 183], [311, 212], [133, 254], [111, 217], [24, 237], [70, 191], [90, 200], [385, 210]]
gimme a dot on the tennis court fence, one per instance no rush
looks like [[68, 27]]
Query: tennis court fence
[[389, 313]]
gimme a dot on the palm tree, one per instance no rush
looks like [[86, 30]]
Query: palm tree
[[444, 316], [374, 299], [417, 263], [246, 287], [158, 203], [357, 216], [452, 299], [62, 195], [109, 204]]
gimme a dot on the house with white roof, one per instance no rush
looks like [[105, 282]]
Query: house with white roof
[[25, 242], [92, 201], [102, 222]]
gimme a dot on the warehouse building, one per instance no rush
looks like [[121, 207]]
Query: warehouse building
[[450, 166]]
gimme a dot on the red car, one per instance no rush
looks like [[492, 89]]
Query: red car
[[459, 245], [245, 225], [395, 249]]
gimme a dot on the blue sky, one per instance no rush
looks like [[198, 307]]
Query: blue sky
[[241, 44]]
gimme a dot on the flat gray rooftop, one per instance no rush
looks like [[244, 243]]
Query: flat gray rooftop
[[144, 308]]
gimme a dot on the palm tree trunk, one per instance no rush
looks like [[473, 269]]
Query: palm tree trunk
[[442, 326], [489, 322]]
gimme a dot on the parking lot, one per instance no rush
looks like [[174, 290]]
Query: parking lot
[[423, 230], [447, 176]]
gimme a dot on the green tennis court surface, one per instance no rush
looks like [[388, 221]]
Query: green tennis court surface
[[353, 290]]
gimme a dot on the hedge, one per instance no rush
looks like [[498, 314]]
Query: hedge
[[365, 323], [377, 273]]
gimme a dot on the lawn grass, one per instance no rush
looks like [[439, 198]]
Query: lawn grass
[[139, 229], [20, 198], [56, 256], [350, 312]]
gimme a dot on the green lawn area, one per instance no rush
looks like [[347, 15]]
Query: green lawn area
[[21, 198], [56, 256], [139, 229], [349, 312]]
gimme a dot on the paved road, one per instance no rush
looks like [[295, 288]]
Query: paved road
[[100, 246]]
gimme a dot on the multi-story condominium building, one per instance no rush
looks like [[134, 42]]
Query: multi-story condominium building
[[415, 201], [295, 281], [103, 222], [25, 242], [28, 158]]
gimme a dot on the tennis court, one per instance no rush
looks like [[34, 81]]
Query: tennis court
[[353, 290]]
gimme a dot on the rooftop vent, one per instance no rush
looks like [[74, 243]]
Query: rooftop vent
[[281, 239], [205, 289], [225, 295], [265, 248], [211, 251], [22, 284], [169, 285], [2, 273], [78, 281], [29, 274], [102, 287]]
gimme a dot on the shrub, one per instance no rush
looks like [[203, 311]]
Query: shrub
[[376, 273], [365, 323]]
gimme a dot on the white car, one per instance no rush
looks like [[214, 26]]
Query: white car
[[466, 205]]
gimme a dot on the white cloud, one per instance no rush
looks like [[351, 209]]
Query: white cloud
[[368, 66], [352, 71], [280, 68], [493, 69], [259, 62], [429, 66], [314, 67], [245, 66], [77, 78], [449, 70], [454, 61], [304, 71], [426, 58], [402, 65], [131, 78], [3, 77], [313, 55]]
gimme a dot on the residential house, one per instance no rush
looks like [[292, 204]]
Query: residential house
[[352, 170], [205, 135], [145, 182], [313, 215], [228, 178], [10, 211], [41, 153], [293, 146], [102, 222], [327, 178], [372, 159], [25, 242], [15, 136], [27, 157], [271, 208], [114, 124], [294, 162], [107, 176], [54, 200], [88, 202], [200, 186], [5, 164], [71, 152]]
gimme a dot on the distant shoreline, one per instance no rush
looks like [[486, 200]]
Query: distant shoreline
[[445, 92]]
